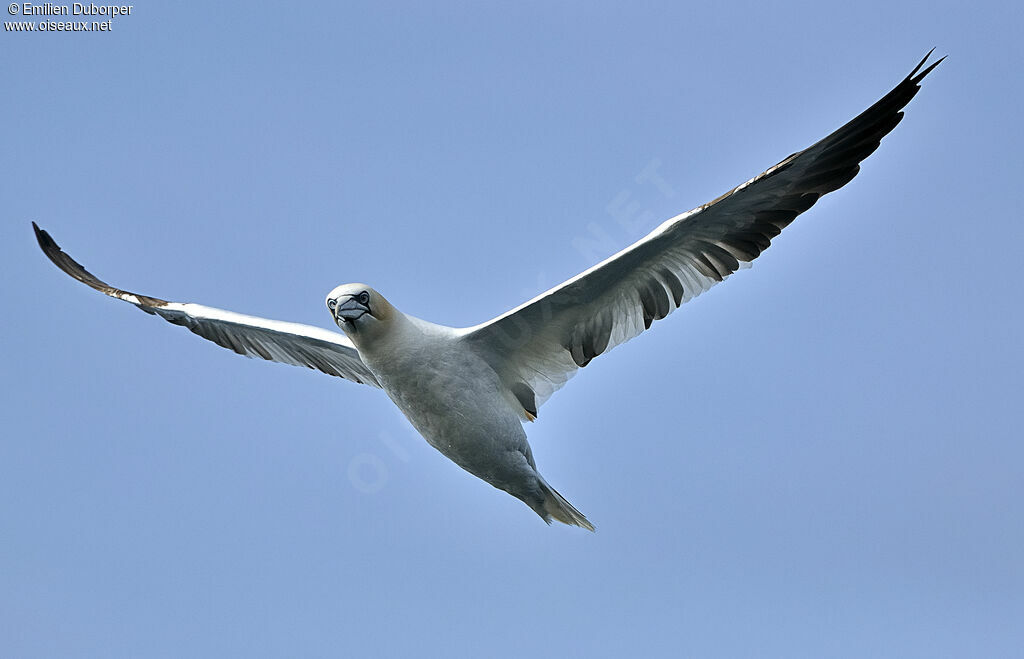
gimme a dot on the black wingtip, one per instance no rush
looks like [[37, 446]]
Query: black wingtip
[[46, 243], [916, 77], [57, 256], [921, 75], [75, 269]]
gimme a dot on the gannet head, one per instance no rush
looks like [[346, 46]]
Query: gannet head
[[358, 309]]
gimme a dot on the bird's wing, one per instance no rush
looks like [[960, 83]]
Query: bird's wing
[[288, 343], [538, 346]]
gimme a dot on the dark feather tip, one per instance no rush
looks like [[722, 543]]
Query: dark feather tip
[[916, 77], [45, 241]]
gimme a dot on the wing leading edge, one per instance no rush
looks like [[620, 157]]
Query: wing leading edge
[[288, 343]]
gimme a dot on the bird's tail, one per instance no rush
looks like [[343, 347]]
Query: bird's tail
[[558, 508]]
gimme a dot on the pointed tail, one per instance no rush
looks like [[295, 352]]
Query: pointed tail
[[561, 510]]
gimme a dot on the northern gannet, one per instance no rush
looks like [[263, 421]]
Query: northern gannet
[[467, 391]]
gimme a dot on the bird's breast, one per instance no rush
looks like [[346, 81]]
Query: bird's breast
[[452, 397]]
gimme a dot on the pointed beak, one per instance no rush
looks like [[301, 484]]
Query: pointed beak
[[350, 310]]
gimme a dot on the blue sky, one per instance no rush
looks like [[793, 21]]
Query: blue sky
[[820, 457]]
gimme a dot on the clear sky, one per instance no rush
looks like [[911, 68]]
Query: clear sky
[[821, 457]]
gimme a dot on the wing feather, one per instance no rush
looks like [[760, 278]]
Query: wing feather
[[288, 343], [539, 345]]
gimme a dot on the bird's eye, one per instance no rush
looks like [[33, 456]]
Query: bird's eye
[[363, 297], [331, 304]]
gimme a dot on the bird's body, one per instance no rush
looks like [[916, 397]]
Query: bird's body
[[455, 400], [467, 391]]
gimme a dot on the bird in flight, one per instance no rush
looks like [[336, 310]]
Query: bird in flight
[[469, 390]]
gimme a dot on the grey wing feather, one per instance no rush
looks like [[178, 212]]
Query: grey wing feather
[[539, 345], [289, 343]]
